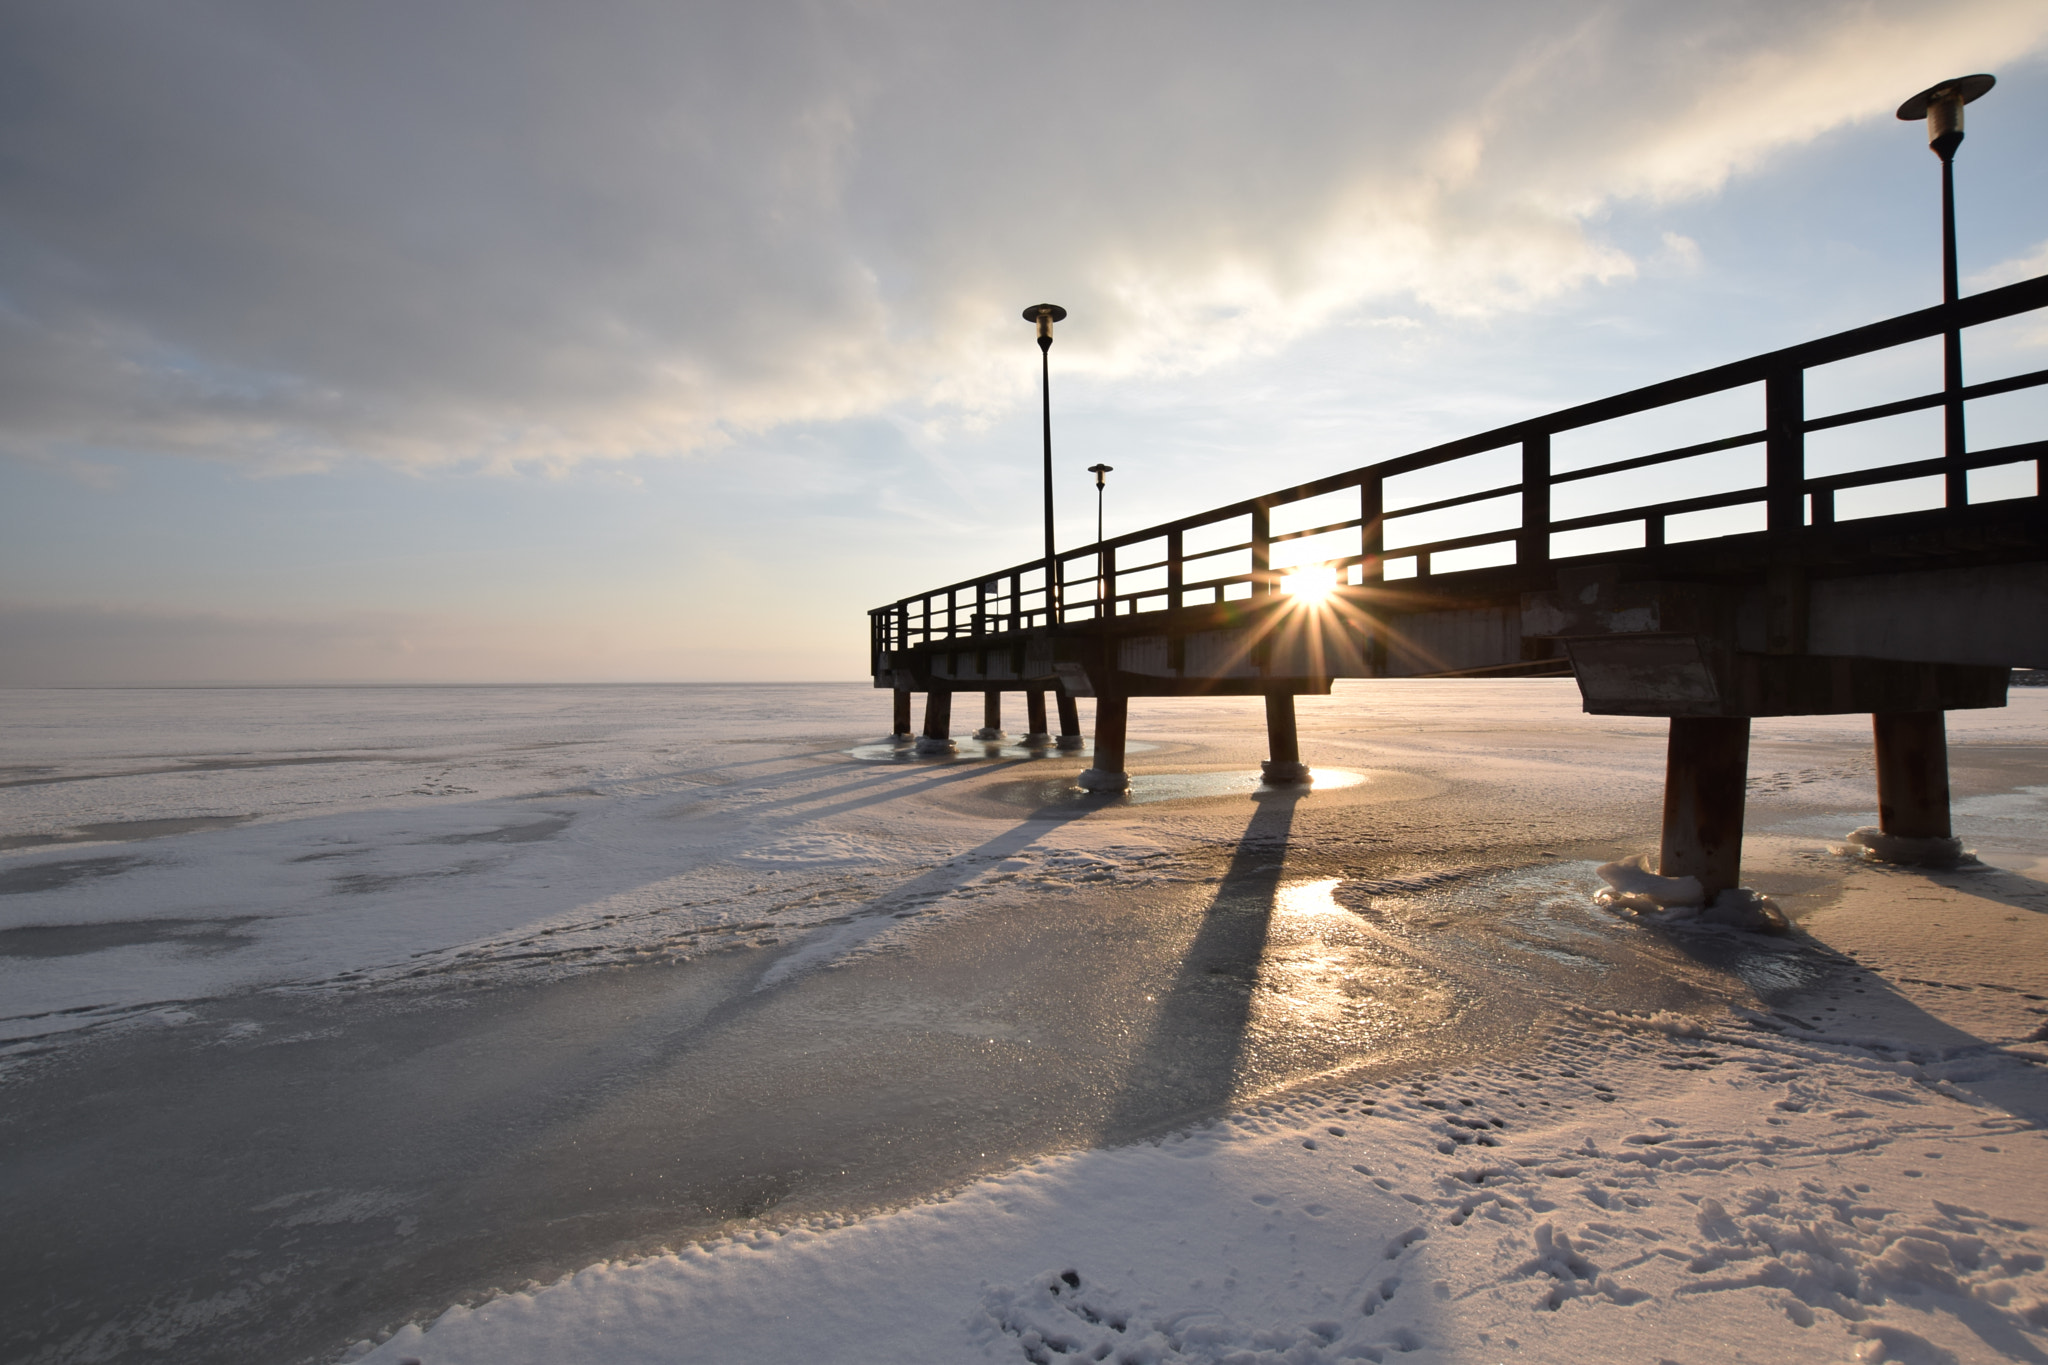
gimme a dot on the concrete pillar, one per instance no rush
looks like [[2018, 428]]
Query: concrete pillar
[[1704, 772], [991, 716], [1034, 717], [1107, 773], [901, 730], [1282, 741], [938, 723], [1070, 722], [1912, 774]]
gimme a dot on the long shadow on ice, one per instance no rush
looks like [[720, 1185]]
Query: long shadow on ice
[[892, 785], [1189, 1061]]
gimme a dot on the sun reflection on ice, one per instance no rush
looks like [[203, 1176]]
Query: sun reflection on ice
[[1329, 988], [1310, 898]]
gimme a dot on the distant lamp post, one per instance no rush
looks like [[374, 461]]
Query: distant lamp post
[[1101, 569], [1942, 106], [1045, 315]]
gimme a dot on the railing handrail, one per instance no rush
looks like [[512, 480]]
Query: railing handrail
[[1942, 319]]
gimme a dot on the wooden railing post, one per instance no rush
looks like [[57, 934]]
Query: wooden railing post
[[1262, 549], [1533, 545], [1785, 512], [1785, 451], [1372, 530], [1106, 568], [1953, 444], [1175, 576]]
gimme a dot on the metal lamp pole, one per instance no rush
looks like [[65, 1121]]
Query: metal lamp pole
[[1045, 315], [1942, 106], [1101, 569]]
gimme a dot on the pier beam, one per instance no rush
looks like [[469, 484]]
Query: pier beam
[[1912, 774], [991, 716], [1034, 717], [1112, 712], [1070, 722], [1705, 768], [938, 723], [900, 731], [1283, 741]]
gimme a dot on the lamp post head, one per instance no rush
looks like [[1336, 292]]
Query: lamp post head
[[1045, 315], [1942, 106], [1098, 470]]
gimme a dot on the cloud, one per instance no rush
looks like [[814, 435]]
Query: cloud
[[504, 234], [2025, 266], [101, 645]]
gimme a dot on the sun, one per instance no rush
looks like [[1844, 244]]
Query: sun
[[1311, 584]]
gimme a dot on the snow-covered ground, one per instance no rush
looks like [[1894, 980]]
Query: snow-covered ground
[[1651, 1188], [1828, 1147]]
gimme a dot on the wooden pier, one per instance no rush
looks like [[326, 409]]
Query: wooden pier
[[1797, 612]]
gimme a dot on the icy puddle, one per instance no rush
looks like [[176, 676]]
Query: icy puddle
[[1539, 926], [1147, 788]]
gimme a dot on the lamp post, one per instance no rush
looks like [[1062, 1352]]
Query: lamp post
[[1045, 315], [1942, 106], [1101, 569]]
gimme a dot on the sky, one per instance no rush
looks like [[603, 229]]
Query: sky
[[506, 342]]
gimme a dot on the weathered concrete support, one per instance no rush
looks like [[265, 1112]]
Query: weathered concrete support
[[1034, 717], [1070, 722], [991, 716], [1282, 741], [1705, 769], [901, 729], [938, 723], [1112, 713], [1912, 792], [1912, 774]]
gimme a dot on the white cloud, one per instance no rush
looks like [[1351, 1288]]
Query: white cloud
[[543, 234], [2025, 266], [110, 644]]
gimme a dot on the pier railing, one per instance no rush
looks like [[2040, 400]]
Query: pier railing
[[1381, 522]]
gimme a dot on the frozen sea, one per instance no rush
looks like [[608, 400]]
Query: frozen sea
[[323, 1010]]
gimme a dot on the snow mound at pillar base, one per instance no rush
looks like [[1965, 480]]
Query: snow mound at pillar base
[[1633, 887], [1873, 845]]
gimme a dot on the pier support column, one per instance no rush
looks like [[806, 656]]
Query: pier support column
[[1282, 741], [938, 723], [1704, 772], [1912, 774], [1112, 712], [1070, 723], [1034, 718], [900, 731], [991, 716], [1912, 792]]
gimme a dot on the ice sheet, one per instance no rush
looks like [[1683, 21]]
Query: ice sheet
[[1846, 1172]]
